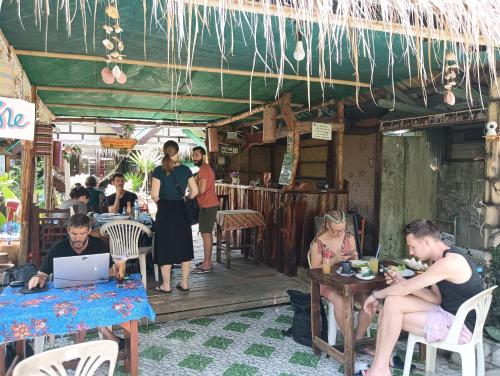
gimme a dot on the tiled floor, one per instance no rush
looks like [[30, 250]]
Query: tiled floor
[[236, 344]]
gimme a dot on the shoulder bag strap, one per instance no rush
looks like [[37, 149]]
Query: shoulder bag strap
[[177, 184]]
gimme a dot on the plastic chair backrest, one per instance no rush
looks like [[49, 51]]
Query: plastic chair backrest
[[90, 355], [124, 237], [481, 304]]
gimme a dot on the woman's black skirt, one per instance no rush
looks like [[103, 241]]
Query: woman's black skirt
[[173, 236]]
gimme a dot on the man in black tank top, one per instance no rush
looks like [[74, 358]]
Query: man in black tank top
[[426, 304]]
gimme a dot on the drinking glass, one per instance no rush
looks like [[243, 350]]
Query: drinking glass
[[374, 264], [326, 266], [120, 271]]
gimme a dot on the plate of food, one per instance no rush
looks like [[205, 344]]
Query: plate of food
[[360, 264], [364, 277], [415, 264], [400, 269]]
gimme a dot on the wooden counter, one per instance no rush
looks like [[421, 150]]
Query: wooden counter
[[289, 217]]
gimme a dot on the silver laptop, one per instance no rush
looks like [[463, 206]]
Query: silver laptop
[[81, 270]]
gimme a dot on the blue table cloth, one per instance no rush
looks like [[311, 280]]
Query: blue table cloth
[[61, 311]]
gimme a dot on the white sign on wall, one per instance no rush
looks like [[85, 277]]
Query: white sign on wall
[[322, 131], [17, 119]]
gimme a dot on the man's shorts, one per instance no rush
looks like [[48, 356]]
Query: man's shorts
[[206, 219], [438, 323]]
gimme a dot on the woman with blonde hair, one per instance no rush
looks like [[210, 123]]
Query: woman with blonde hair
[[334, 244], [173, 236]]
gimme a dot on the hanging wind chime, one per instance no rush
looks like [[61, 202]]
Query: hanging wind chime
[[114, 46], [450, 74]]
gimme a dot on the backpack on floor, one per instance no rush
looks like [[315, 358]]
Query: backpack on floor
[[300, 330]]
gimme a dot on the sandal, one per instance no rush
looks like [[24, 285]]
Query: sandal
[[159, 289], [179, 287], [200, 270]]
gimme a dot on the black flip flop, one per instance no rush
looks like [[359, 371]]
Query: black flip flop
[[179, 287], [159, 289]]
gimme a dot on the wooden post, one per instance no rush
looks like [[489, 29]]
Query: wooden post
[[213, 142], [49, 180], [288, 115], [28, 184], [339, 148], [269, 125]]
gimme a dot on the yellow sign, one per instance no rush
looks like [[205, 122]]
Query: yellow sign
[[117, 142]]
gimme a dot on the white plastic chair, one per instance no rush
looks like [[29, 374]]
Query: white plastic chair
[[90, 355], [124, 240], [481, 304], [332, 324]]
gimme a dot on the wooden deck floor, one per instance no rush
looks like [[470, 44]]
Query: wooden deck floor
[[246, 285]]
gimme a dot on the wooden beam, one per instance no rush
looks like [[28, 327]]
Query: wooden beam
[[243, 115], [269, 125], [404, 107], [148, 94], [251, 6], [136, 109], [366, 123], [234, 72], [93, 121]]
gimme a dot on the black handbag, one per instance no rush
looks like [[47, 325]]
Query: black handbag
[[19, 273], [190, 206]]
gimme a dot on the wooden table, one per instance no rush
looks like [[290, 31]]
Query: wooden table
[[348, 287]]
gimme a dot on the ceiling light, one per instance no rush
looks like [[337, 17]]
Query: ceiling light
[[299, 53]]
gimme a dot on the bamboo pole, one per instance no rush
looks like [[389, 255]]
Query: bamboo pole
[[250, 6], [269, 125], [243, 115], [235, 72], [137, 109], [148, 123], [49, 180], [149, 94]]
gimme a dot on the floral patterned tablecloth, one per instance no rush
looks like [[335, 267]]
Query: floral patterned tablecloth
[[61, 311]]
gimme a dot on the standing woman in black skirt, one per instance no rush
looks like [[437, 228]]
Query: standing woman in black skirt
[[173, 236]]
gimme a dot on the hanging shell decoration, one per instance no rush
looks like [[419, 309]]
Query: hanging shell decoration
[[114, 44], [450, 74]]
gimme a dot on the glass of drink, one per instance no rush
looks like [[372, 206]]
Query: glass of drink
[[120, 264], [326, 266], [374, 264]]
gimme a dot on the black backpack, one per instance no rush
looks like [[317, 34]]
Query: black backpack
[[301, 325]]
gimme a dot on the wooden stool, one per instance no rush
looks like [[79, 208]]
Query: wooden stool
[[231, 221], [252, 246]]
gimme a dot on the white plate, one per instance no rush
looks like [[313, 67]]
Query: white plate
[[339, 272], [407, 273], [358, 275]]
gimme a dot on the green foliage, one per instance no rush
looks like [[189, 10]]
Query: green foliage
[[6, 182], [146, 161], [493, 278], [136, 180]]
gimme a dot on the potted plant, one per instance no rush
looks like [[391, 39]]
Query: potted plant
[[235, 177], [146, 161]]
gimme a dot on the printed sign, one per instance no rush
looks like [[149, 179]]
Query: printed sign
[[17, 119], [229, 149], [321, 131], [286, 169]]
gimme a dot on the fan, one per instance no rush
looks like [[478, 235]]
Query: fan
[[491, 127]]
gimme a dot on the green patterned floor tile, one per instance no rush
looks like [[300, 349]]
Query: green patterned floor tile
[[182, 335], [286, 374], [290, 309], [262, 351], [146, 329], [239, 369], [397, 372], [203, 321], [285, 319], [196, 362], [273, 333], [253, 315], [304, 359], [237, 327], [219, 343], [155, 353]]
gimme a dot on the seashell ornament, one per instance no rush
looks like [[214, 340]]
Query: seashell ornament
[[122, 78], [112, 12], [449, 98], [108, 44], [108, 29], [117, 28], [117, 72], [107, 76]]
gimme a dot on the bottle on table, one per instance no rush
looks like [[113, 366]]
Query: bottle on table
[[129, 208], [136, 209]]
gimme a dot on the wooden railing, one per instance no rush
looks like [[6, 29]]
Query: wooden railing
[[289, 219]]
